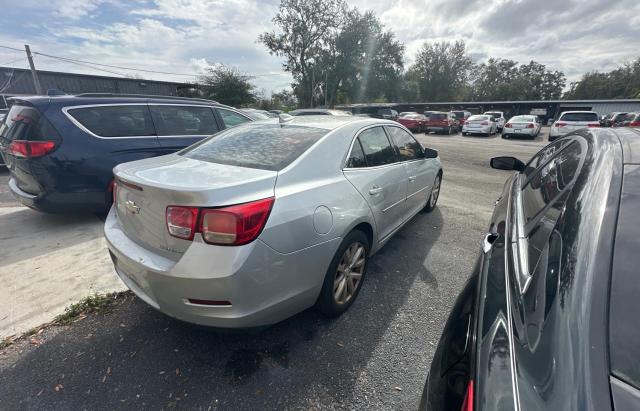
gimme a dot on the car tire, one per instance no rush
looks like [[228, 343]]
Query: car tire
[[330, 303], [432, 201], [505, 136], [464, 134]]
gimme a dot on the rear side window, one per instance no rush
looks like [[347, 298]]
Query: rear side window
[[267, 147], [183, 120], [26, 123], [542, 156], [115, 121], [579, 117], [376, 147], [231, 118], [548, 182], [356, 158], [408, 147]]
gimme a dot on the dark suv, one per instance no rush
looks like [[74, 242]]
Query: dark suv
[[61, 150]]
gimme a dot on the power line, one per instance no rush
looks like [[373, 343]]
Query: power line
[[12, 48]]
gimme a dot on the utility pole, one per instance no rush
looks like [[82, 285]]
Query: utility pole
[[34, 73], [326, 87]]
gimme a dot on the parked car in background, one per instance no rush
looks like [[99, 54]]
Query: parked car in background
[[387, 114], [267, 219], [462, 116], [627, 120], [440, 121], [318, 112], [573, 120], [522, 126], [406, 113], [480, 124], [612, 118], [256, 114], [548, 319], [413, 121], [61, 151], [499, 118]]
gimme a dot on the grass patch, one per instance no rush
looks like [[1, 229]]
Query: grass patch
[[92, 304]]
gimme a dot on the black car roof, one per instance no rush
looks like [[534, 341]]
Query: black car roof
[[112, 98]]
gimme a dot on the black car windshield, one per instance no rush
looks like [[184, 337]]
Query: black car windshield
[[579, 117], [267, 147]]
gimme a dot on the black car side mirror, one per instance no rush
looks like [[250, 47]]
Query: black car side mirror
[[507, 163], [430, 153]]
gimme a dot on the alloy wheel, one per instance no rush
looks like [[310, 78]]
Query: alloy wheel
[[349, 273], [435, 192]]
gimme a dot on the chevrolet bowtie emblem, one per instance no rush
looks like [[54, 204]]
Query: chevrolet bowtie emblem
[[132, 207]]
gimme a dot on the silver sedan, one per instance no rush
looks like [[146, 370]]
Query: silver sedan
[[264, 220]]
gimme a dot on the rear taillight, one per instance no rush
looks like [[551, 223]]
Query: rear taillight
[[31, 149], [181, 221], [529, 125], [634, 124], [592, 125], [485, 123], [235, 225], [508, 125], [467, 404], [558, 124]]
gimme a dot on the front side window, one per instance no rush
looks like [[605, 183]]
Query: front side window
[[376, 147], [231, 118], [408, 147], [184, 120], [115, 121], [266, 147]]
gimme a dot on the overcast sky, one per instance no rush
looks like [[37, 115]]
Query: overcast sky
[[183, 36]]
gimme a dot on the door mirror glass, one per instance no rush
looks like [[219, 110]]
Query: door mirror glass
[[507, 163], [430, 153]]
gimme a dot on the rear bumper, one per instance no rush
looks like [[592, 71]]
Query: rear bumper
[[60, 202], [262, 285], [525, 132], [438, 128], [476, 130]]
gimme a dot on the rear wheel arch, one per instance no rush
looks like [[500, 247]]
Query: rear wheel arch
[[367, 230]]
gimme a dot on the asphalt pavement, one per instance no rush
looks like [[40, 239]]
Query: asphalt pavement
[[375, 356]]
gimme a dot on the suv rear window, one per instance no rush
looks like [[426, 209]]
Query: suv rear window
[[115, 121], [26, 123], [579, 117], [267, 147]]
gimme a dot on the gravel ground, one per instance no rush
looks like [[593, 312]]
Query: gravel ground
[[376, 356]]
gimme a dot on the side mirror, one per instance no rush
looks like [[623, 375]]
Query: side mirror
[[507, 163], [430, 153]]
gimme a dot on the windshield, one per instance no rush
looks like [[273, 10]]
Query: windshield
[[267, 147]]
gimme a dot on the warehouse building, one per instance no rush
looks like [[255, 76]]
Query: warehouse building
[[546, 109]]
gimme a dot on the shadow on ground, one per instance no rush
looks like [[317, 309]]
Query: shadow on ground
[[137, 357]]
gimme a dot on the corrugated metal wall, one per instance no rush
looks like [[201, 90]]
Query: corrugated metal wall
[[604, 108], [19, 81]]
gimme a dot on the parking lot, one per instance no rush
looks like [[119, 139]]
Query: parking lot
[[375, 356]]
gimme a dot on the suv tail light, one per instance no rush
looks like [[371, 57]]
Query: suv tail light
[[467, 404], [559, 124], [234, 225], [591, 125], [181, 221], [31, 149], [508, 125], [529, 125]]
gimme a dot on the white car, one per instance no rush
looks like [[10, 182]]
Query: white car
[[525, 126], [479, 124], [499, 116], [573, 120]]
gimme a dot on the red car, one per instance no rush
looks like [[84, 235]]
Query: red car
[[443, 122], [413, 121]]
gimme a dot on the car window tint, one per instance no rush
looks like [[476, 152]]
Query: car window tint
[[26, 123], [183, 120], [624, 306], [407, 146], [231, 118], [543, 155], [376, 147], [546, 184], [356, 157], [115, 121], [267, 147], [579, 117]]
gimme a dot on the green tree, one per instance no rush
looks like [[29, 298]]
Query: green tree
[[441, 71], [622, 82], [228, 85], [306, 27]]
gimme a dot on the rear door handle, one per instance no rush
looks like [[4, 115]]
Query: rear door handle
[[488, 241], [412, 178], [375, 190]]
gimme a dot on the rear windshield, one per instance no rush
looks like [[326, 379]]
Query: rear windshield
[[579, 117], [266, 147], [413, 116], [437, 116], [459, 114], [521, 119], [478, 118], [25, 123], [494, 113]]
